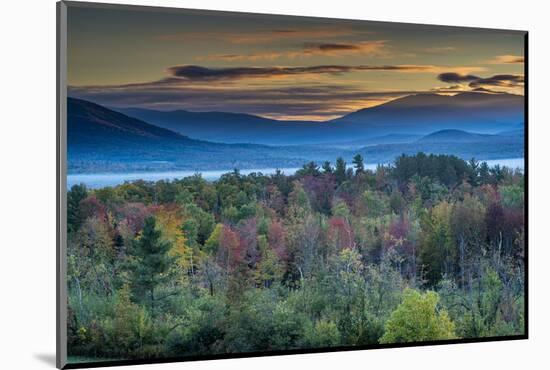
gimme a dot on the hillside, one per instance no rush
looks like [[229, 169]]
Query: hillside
[[456, 136], [425, 113], [418, 114], [102, 140]]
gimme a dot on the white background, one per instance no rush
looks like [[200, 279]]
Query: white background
[[27, 193]]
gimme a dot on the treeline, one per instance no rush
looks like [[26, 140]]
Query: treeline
[[429, 248]]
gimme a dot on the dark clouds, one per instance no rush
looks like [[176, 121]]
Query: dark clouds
[[323, 101], [331, 47], [503, 80], [451, 77], [309, 49], [198, 73], [500, 81]]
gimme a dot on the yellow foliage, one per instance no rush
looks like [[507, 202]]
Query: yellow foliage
[[170, 220]]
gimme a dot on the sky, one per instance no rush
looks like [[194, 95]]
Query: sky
[[281, 67]]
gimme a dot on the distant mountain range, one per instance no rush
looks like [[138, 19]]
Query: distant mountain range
[[411, 115], [458, 136], [102, 140]]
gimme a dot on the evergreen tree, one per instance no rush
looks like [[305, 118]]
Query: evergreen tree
[[327, 168], [149, 264], [340, 170], [358, 163], [74, 197]]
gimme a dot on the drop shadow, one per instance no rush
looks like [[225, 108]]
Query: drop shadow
[[47, 358]]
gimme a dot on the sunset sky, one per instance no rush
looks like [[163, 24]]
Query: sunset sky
[[277, 66]]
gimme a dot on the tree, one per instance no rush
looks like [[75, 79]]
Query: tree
[[323, 334], [213, 242], [276, 240], [149, 264], [74, 217], [417, 319], [309, 169], [327, 168], [131, 324], [438, 249], [340, 234], [467, 225], [230, 251], [358, 163], [171, 222], [340, 170]]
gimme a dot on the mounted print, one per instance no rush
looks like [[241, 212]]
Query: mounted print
[[234, 184]]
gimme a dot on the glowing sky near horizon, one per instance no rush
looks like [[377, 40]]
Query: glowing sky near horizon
[[277, 66]]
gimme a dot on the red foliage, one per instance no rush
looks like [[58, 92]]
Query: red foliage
[[504, 226], [274, 199], [320, 190], [93, 207], [134, 215], [276, 239], [340, 233], [230, 253], [397, 237], [248, 233]]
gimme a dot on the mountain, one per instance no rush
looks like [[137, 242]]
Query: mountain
[[229, 127], [90, 124], [102, 140], [425, 113], [418, 114], [455, 136], [463, 144]]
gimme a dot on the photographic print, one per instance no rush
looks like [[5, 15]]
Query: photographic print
[[237, 184]]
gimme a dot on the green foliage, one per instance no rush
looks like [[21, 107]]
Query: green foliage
[[376, 203], [149, 264], [324, 334], [74, 218], [512, 196], [340, 170], [358, 164], [438, 250], [430, 248], [417, 319]]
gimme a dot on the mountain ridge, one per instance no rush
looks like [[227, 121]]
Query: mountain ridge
[[415, 114]]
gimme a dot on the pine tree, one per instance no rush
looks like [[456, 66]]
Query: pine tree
[[149, 264], [359, 165], [340, 170], [74, 197], [327, 168]]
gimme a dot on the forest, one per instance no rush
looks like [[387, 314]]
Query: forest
[[428, 248]]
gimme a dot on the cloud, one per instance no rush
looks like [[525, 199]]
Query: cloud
[[339, 49], [266, 35], [375, 47], [198, 73], [439, 49], [331, 47], [496, 83], [317, 102], [283, 92], [500, 81], [452, 77], [507, 59]]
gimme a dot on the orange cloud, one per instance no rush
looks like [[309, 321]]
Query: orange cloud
[[376, 47], [264, 36], [507, 59], [438, 49]]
